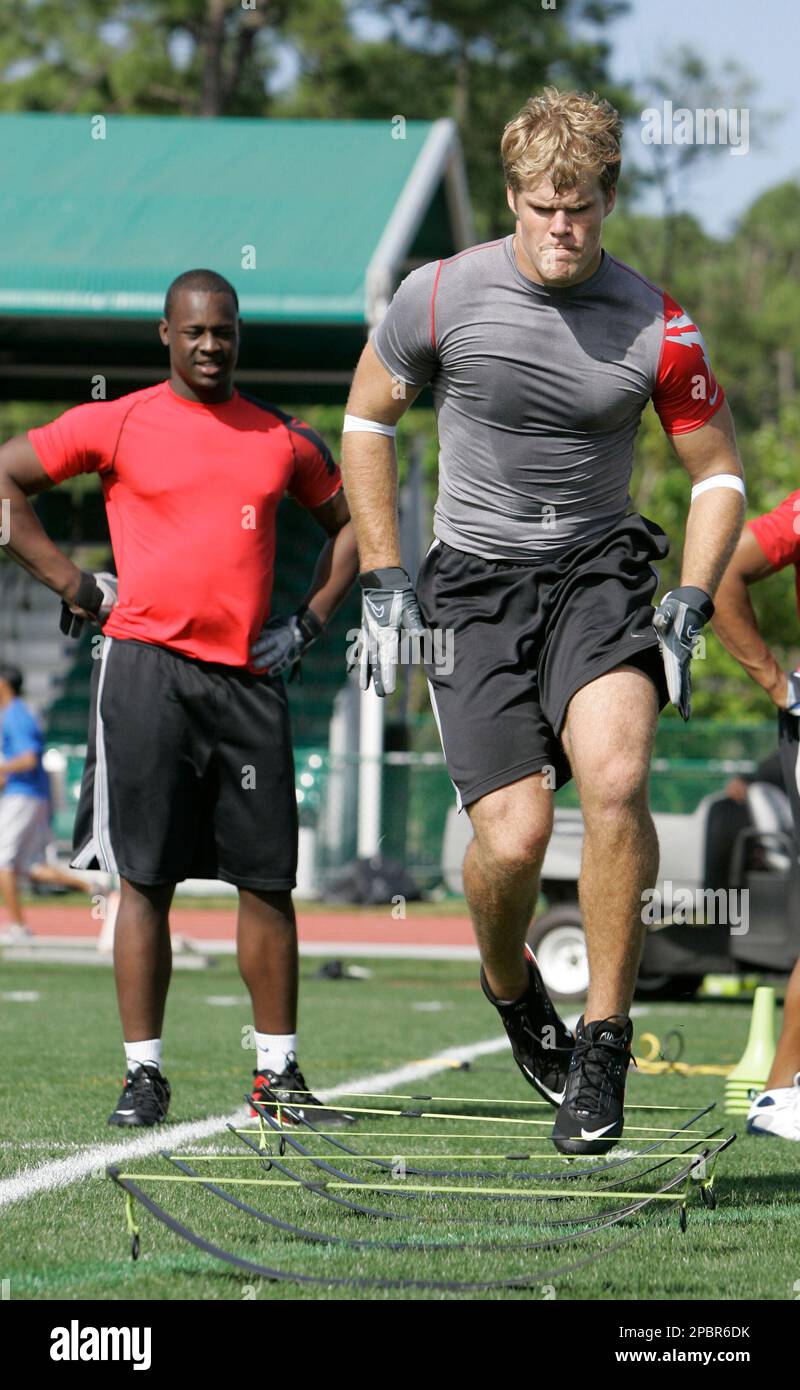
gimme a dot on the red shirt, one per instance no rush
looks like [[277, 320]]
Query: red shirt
[[686, 393], [778, 534], [191, 494]]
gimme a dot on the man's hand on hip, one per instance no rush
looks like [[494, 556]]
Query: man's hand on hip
[[389, 608], [679, 619], [93, 599], [282, 642]]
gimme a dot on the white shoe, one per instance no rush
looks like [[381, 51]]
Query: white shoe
[[17, 932], [777, 1112]]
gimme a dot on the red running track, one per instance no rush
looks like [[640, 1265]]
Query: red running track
[[360, 927]]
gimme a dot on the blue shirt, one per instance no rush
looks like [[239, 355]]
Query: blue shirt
[[21, 734]]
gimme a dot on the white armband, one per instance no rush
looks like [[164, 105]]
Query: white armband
[[719, 480], [355, 422]]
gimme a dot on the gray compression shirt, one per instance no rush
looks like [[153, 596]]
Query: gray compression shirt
[[538, 392]]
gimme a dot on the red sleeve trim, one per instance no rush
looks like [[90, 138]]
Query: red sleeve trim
[[433, 304], [50, 467], [683, 365], [339, 488], [698, 424]]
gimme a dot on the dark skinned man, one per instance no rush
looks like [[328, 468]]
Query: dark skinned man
[[190, 770]]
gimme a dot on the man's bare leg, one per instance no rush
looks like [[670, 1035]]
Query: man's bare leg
[[143, 958], [501, 876], [787, 1055], [267, 955], [9, 892], [608, 737]]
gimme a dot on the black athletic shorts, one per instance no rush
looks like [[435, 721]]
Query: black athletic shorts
[[189, 772], [525, 638]]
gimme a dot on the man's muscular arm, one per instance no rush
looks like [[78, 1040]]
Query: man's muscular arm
[[369, 461], [735, 621], [712, 529], [283, 642], [337, 563], [716, 516], [369, 469], [22, 476]]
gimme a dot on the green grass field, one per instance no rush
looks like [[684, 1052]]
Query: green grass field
[[61, 1074]]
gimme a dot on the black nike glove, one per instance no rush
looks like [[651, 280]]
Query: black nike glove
[[389, 607], [96, 594], [679, 619], [282, 642]]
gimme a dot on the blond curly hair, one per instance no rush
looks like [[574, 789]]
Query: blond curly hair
[[563, 136]]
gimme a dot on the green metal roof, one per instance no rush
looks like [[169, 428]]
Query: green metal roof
[[98, 227]]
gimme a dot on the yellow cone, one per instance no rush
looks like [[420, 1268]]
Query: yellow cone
[[749, 1076]]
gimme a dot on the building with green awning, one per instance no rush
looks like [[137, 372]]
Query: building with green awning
[[314, 222]]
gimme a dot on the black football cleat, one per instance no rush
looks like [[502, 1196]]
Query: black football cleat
[[286, 1096], [145, 1098], [541, 1043], [590, 1118]]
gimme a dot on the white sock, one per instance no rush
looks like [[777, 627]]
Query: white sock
[[273, 1049], [147, 1051]]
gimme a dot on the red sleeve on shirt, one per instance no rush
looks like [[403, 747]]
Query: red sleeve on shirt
[[778, 532], [316, 477], [82, 440], [687, 393]]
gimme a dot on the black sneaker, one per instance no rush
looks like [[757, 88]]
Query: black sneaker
[[144, 1099], [590, 1119], [288, 1090], [542, 1057]]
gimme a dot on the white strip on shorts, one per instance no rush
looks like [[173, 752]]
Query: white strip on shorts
[[24, 831], [98, 850]]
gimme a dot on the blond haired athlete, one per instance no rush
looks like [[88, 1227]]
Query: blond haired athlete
[[542, 351]]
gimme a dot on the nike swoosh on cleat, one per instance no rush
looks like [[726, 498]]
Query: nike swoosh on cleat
[[555, 1096], [596, 1133]]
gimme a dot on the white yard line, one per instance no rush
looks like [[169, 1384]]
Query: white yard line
[[47, 1177]]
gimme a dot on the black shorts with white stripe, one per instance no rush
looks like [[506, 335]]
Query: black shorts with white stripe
[[189, 772]]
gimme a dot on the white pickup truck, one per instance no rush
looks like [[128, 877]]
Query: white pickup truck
[[696, 924]]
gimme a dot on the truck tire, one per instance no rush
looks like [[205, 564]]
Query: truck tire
[[559, 945]]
